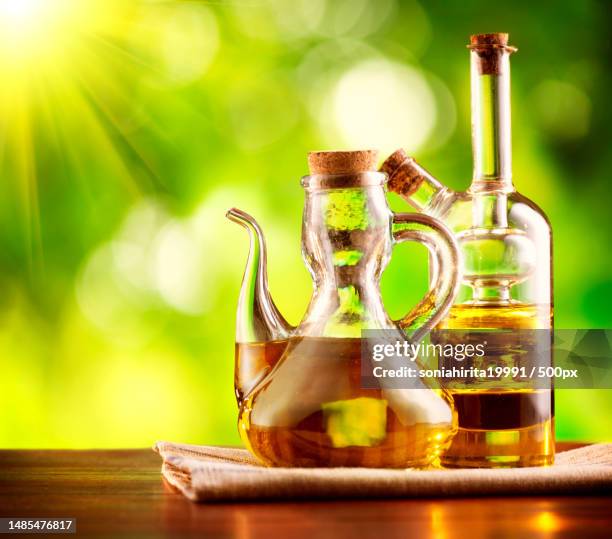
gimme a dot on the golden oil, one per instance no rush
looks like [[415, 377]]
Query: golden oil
[[507, 428], [310, 410], [253, 361]]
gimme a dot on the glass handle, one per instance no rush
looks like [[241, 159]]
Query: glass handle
[[444, 267]]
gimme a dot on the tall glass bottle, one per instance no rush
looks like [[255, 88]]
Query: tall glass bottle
[[505, 242]]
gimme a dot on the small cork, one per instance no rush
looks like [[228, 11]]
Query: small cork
[[490, 48], [499, 39], [342, 162], [405, 175]]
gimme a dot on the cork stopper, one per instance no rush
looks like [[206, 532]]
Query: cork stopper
[[499, 39], [342, 162], [490, 49], [405, 175]]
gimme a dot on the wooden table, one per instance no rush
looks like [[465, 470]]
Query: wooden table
[[120, 493]]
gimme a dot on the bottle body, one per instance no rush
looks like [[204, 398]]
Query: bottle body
[[506, 301], [313, 411]]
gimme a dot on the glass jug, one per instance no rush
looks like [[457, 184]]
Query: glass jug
[[300, 399]]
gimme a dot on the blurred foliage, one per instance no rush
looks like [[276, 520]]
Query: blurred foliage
[[128, 127]]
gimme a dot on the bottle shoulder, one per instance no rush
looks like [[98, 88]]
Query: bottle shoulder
[[528, 208], [459, 210]]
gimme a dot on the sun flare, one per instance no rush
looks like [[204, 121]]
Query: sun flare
[[20, 10], [68, 70], [35, 31]]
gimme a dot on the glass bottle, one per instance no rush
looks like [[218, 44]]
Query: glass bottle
[[300, 393], [506, 247]]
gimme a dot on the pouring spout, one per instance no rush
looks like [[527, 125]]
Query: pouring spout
[[258, 319]]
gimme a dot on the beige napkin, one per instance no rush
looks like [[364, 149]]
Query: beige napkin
[[208, 473]]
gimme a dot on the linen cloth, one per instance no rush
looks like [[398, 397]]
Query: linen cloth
[[209, 473]]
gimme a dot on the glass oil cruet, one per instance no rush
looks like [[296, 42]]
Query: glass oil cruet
[[300, 399], [505, 244]]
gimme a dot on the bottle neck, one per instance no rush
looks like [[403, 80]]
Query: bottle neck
[[412, 182], [346, 244], [491, 131], [345, 234]]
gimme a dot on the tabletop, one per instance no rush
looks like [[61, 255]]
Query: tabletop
[[120, 493]]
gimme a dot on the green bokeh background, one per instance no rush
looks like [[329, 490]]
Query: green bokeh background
[[119, 273]]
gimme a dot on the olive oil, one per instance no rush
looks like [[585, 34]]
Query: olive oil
[[511, 427], [511, 315], [296, 417], [309, 444], [253, 361]]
